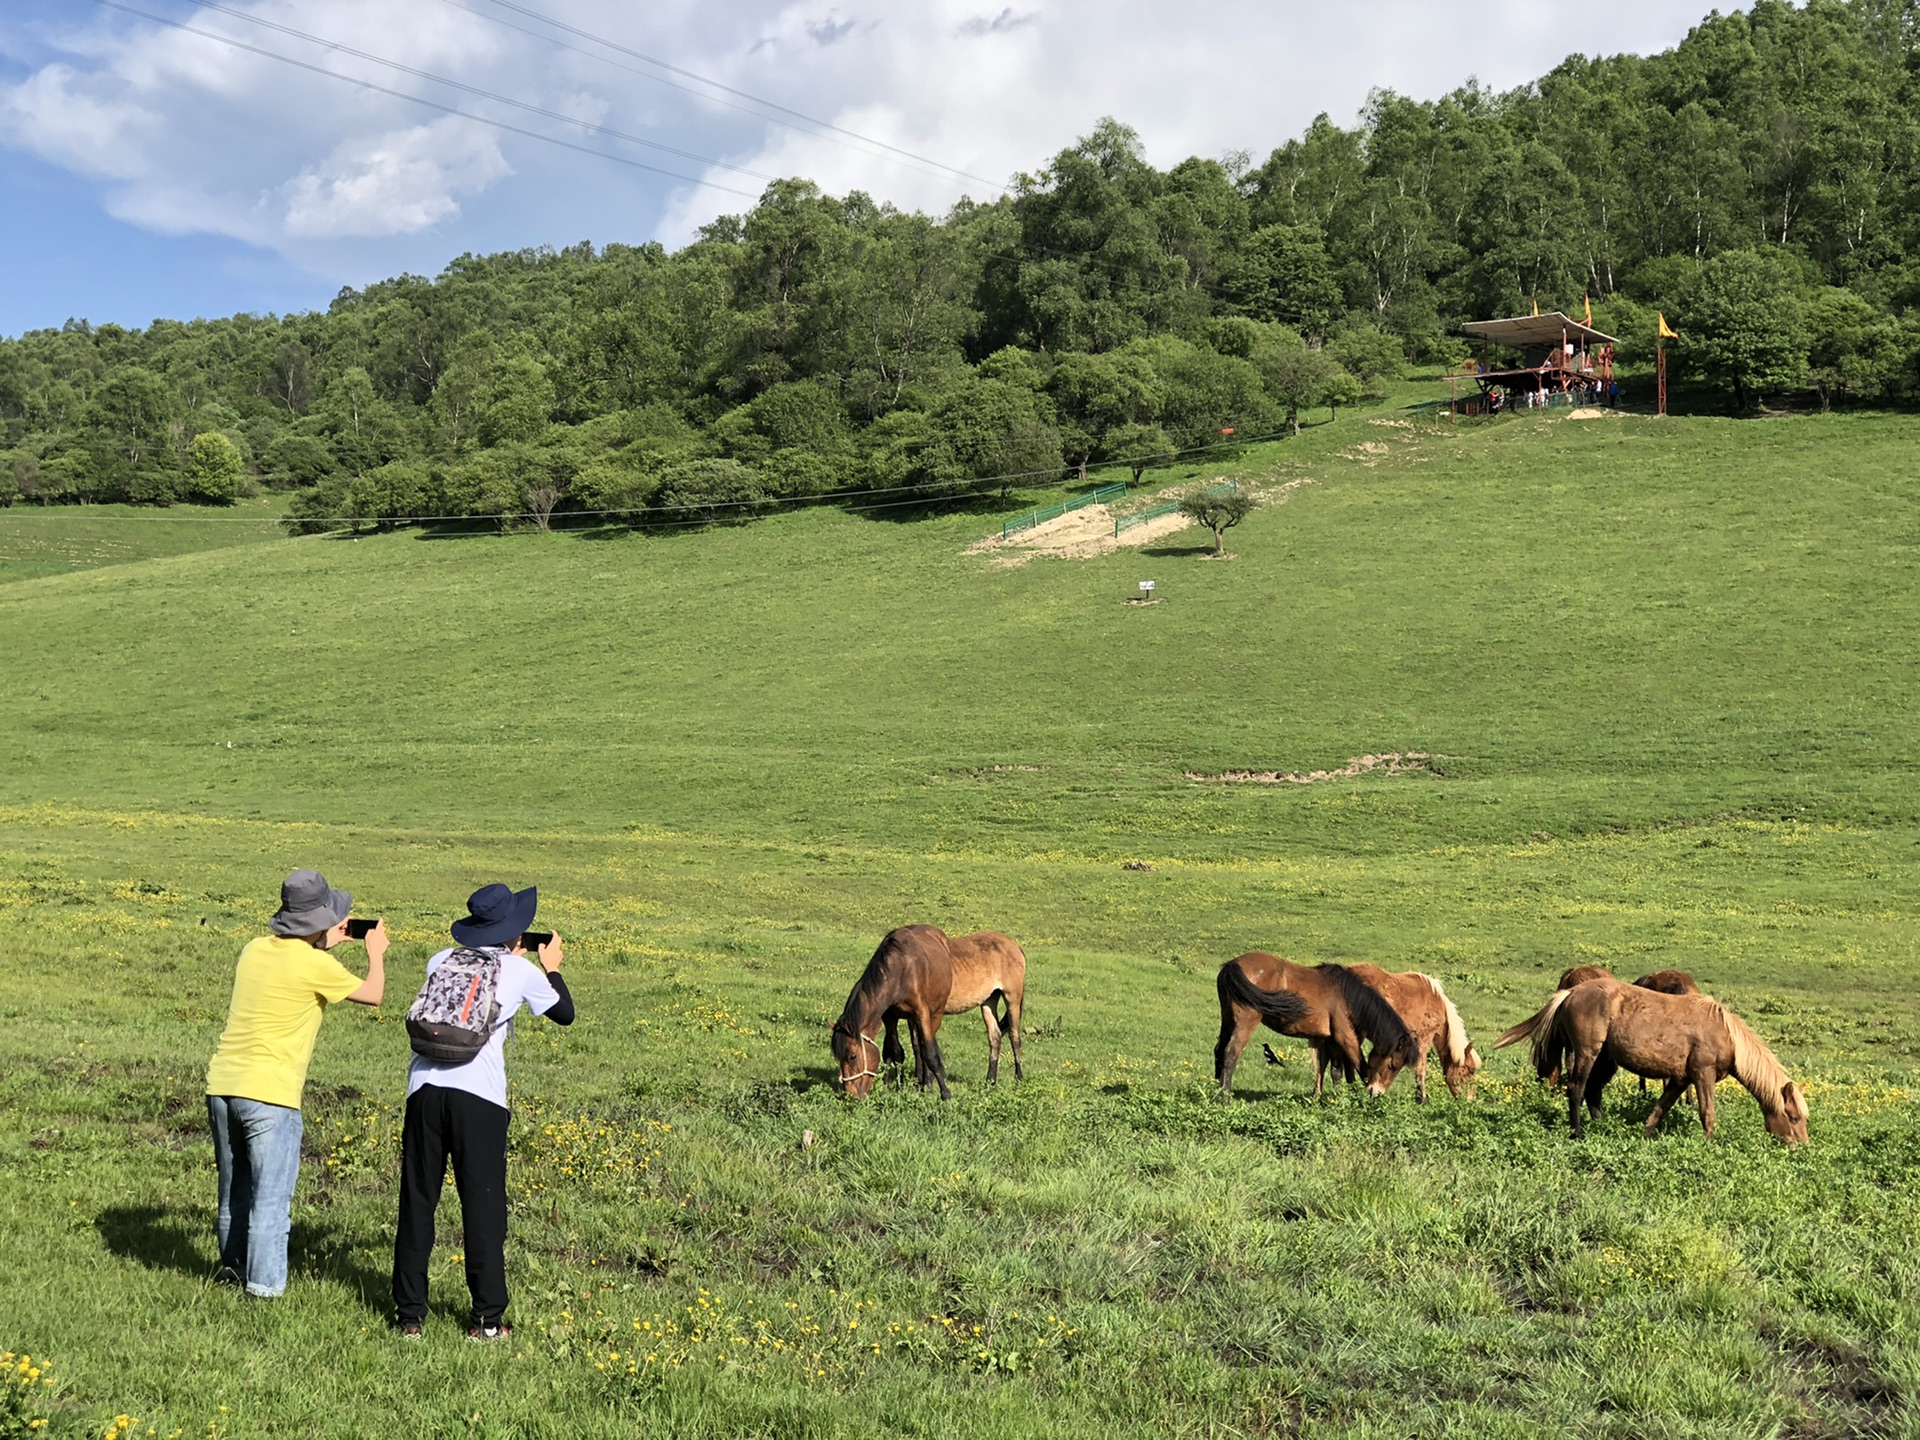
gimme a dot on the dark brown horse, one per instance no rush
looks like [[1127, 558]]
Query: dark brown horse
[[909, 978], [1325, 1004], [987, 966], [1434, 1024], [1680, 1039]]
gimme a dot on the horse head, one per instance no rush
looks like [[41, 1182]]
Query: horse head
[[858, 1057], [1788, 1120], [1388, 1061], [1459, 1077]]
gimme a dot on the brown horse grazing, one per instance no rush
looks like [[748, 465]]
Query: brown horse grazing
[[1434, 1024], [909, 977], [1667, 982], [1322, 1003], [987, 966], [1680, 1039]]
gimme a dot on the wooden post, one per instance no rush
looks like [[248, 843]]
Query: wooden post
[[1660, 371]]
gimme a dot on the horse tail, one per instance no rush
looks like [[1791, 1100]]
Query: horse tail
[[1754, 1065], [1283, 1007], [1375, 1019], [1549, 1039], [1455, 1041], [1532, 1023]]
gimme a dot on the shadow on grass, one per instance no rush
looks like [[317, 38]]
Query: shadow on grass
[[163, 1239], [1176, 552]]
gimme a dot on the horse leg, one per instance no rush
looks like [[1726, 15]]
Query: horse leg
[[893, 1059], [1703, 1088], [1576, 1079], [993, 1041], [1420, 1076], [1012, 1027], [1669, 1093], [936, 1062], [1236, 1028], [1319, 1069]]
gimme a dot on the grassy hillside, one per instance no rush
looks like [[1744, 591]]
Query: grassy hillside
[[1668, 672]]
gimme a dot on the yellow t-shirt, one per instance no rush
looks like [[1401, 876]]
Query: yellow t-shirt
[[280, 994]]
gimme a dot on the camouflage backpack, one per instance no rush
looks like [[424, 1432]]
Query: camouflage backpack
[[456, 1011]]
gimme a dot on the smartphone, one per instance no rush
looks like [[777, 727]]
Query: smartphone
[[534, 939], [358, 928]]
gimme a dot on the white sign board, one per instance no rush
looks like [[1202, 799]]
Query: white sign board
[[1146, 584]]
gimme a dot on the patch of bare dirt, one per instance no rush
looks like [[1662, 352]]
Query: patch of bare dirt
[[1077, 535], [1590, 412], [1409, 762]]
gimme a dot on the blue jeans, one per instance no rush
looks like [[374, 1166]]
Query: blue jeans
[[257, 1149]]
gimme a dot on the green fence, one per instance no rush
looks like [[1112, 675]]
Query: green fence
[[1054, 512], [1124, 523]]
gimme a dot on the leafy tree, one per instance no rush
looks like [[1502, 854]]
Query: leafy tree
[[293, 462], [389, 492], [1095, 394], [131, 420], [1746, 327], [213, 470], [1139, 447], [363, 430], [1854, 349], [1219, 508], [709, 492], [1285, 274], [989, 429], [1298, 377]]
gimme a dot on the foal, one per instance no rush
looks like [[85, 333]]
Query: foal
[[1326, 1004], [987, 966], [909, 978]]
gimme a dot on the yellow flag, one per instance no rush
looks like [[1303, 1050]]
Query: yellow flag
[[1666, 332], [1536, 305], [1589, 300]]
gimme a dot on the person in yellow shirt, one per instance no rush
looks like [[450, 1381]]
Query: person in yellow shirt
[[281, 991]]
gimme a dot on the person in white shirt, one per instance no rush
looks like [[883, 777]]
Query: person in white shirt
[[459, 1113]]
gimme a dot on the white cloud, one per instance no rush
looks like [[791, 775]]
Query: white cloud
[[393, 185], [186, 134]]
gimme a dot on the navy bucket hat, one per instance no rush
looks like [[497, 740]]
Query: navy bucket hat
[[496, 915]]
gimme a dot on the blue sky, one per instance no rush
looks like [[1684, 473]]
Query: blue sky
[[149, 172]]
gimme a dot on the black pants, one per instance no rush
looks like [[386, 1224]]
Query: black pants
[[445, 1124]]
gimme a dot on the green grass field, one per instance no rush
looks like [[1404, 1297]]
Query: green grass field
[[1669, 671]]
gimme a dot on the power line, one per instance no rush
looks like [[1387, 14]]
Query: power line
[[422, 100], [476, 90], [924, 167], [533, 14]]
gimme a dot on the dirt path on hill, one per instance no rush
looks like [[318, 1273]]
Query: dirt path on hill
[[1078, 535], [1397, 763]]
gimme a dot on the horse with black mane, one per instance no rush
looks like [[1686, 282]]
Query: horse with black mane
[[910, 977], [987, 967], [1325, 1004]]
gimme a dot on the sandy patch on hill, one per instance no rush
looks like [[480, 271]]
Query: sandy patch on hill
[[1594, 412], [1391, 764], [1078, 535]]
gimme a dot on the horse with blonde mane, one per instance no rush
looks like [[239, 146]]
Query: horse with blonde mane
[[987, 967], [1434, 1023], [1326, 1004], [1680, 1040], [1668, 982]]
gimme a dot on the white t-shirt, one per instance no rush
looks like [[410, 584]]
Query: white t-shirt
[[521, 983]]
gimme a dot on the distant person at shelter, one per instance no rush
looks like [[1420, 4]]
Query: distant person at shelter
[[457, 1107], [281, 990]]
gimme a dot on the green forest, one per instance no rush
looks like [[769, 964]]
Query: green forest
[[1759, 185]]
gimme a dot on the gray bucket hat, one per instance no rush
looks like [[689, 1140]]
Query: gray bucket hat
[[309, 905]]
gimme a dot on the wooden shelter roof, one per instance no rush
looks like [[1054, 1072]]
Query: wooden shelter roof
[[1522, 331]]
